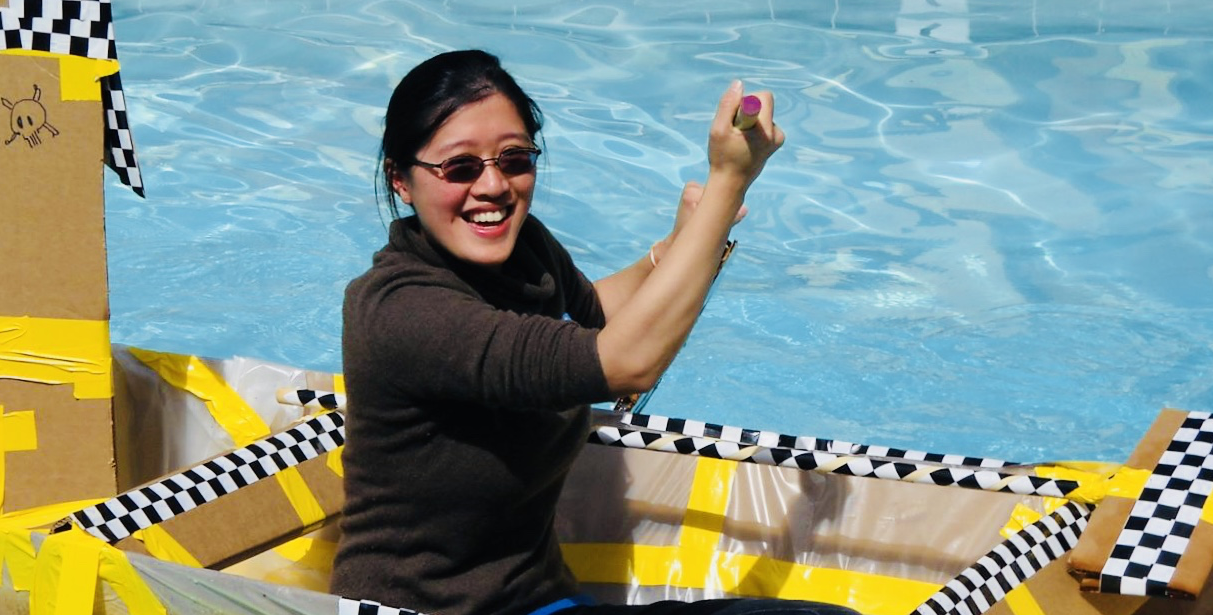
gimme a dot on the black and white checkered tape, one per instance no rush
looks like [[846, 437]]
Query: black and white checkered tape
[[1160, 525], [82, 28], [121, 516]]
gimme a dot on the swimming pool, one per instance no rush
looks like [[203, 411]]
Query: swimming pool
[[989, 231]]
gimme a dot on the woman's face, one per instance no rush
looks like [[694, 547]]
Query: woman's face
[[477, 221]]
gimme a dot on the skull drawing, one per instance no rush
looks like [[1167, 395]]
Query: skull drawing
[[28, 118]]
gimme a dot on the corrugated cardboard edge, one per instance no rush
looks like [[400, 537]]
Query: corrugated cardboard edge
[[1087, 560]]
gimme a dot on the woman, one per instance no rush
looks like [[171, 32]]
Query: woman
[[472, 319]]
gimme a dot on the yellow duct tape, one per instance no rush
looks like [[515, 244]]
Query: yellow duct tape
[[163, 546], [65, 574], [696, 563], [1021, 602], [16, 546], [233, 414], [79, 78], [17, 433], [68, 568], [58, 351], [710, 490], [313, 553], [333, 461], [226, 406], [1098, 480], [744, 575], [17, 556], [300, 496]]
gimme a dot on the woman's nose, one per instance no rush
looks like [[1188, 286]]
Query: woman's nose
[[492, 181]]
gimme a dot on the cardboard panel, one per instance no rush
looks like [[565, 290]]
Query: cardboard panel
[[53, 267], [1191, 571], [250, 520], [52, 248], [75, 455]]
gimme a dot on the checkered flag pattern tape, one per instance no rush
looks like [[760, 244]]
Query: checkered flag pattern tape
[[979, 587], [82, 28], [821, 461], [312, 400], [140, 508], [1160, 526], [119, 143], [772, 439], [346, 606]]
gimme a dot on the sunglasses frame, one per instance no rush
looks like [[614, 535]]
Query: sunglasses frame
[[441, 167]]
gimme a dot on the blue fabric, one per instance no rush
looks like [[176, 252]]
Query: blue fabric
[[560, 605]]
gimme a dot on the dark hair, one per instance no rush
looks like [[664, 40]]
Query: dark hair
[[431, 93]]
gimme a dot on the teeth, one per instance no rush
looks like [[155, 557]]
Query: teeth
[[488, 217]]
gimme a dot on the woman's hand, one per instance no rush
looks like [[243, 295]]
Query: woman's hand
[[742, 153]]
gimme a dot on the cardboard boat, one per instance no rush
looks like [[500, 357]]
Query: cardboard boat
[[142, 482], [654, 508]]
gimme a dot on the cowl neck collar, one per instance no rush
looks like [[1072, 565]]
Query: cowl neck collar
[[523, 280]]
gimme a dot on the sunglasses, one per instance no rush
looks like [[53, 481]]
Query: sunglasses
[[467, 168]]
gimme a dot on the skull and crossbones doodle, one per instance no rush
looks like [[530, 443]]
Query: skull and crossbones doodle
[[28, 118]]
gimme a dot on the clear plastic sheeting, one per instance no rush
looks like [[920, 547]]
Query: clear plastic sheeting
[[640, 526], [169, 428], [191, 591]]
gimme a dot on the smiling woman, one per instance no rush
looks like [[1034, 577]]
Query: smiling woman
[[474, 317]]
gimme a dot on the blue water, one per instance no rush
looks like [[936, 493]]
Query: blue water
[[989, 232]]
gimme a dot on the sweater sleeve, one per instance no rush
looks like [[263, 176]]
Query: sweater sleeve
[[449, 345]]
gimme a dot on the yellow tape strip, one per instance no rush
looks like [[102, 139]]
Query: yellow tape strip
[[333, 461], [695, 561], [190, 374], [704, 518], [1021, 602], [58, 351], [68, 568], [17, 556], [300, 496], [163, 546], [17, 433], [312, 553], [749, 575], [1098, 480], [233, 414], [65, 574], [710, 490], [79, 78], [339, 383], [16, 547], [1206, 513]]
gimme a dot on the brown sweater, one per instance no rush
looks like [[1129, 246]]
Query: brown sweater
[[467, 393]]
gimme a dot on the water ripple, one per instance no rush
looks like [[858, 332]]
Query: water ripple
[[988, 230]]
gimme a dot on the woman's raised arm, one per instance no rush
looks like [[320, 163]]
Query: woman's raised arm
[[645, 331]]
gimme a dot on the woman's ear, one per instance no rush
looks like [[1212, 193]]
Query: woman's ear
[[399, 182]]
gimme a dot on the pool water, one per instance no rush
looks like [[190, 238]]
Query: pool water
[[990, 230]]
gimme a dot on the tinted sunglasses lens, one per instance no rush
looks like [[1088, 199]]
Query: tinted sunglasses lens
[[462, 169], [517, 162]]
